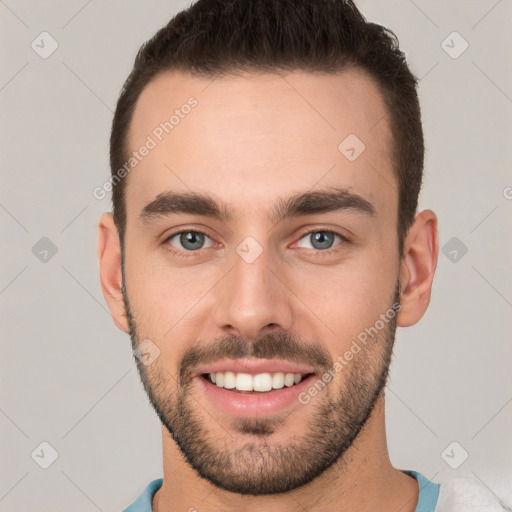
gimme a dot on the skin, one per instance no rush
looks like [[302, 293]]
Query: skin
[[252, 140]]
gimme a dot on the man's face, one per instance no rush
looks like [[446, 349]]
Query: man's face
[[256, 292]]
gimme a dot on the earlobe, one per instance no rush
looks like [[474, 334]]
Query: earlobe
[[109, 256], [419, 262]]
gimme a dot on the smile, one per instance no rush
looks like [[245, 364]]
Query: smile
[[261, 382], [253, 388]]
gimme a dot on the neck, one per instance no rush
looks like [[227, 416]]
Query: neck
[[363, 480]]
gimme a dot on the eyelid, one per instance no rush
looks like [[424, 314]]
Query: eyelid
[[186, 230], [330, 250]]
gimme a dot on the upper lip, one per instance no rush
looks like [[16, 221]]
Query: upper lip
[[253, 366]]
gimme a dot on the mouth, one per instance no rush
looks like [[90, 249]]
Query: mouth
[[247, 383], [251, 391]]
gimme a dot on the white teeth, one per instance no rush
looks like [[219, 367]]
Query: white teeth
[[229, 380], [278, 380], [289, 379], [243, 382], [260, 382]]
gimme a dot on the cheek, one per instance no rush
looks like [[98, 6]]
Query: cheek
[[347, 299], [163, 298]]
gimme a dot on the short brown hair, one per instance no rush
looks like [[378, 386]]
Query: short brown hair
[[215, 37]]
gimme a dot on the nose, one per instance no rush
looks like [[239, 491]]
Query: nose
[[253, 300]]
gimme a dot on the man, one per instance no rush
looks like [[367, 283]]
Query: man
[[266, 164]]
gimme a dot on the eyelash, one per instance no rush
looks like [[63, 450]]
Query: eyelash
[[188, 254]]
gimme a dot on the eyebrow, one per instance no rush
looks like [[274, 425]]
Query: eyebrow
[[307, 203]]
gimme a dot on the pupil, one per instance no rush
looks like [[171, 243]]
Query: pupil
[[323, 238], [195, 239]]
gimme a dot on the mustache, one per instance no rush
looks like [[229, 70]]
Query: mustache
[[269, 346]]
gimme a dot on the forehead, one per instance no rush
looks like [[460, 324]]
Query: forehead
[[247, 138]]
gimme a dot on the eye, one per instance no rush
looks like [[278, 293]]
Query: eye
[[189, 240], [322, 240]]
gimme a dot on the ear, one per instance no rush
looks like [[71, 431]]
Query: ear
[[418, 265], [109, 255]]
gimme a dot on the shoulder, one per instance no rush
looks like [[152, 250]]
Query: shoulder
[[469, 494], [144, 501]]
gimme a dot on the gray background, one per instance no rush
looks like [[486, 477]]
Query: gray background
[[67, 373]]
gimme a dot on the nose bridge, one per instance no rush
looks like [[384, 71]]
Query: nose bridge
[[252, 296]]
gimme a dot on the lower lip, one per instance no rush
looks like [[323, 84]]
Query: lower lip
[[254, 404]]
